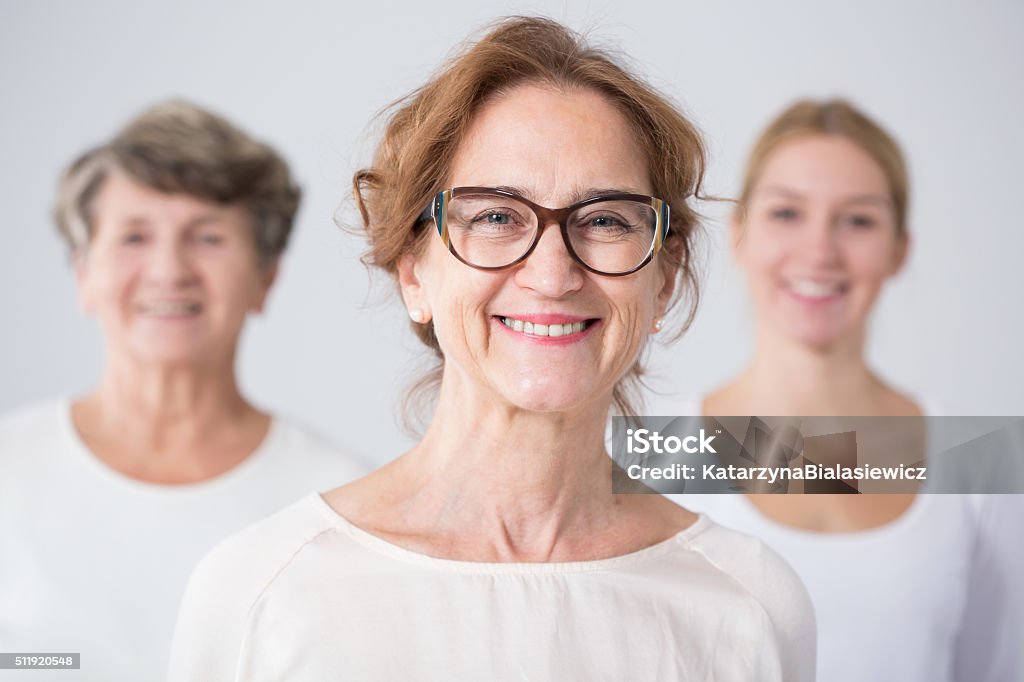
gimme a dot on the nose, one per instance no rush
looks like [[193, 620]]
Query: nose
[[821, 240], [550, 270], [169, 264]]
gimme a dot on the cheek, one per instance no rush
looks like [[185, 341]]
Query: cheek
[[871, 259], [636, 304], [760, 255], [458, 307], [237, 279], [108, 281]]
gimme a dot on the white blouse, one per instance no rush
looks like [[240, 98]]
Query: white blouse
[[936, 595], [306, 595], [95, 562]]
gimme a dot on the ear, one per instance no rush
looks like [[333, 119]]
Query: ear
[[413, 292], [667, 286], [901, 253], [267, 277], [80, 266]]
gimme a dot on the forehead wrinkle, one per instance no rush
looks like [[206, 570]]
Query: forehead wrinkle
[[857, 199], [553, 159], [575, 196]]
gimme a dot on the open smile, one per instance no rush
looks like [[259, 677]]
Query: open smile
[[169, 308], [548, 328], [812, 291]]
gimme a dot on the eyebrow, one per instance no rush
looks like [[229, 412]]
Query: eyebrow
[[203, 220], [135, 221], [858, 199], [577, 195]]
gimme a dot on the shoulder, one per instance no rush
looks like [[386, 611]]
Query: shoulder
[[30, 426], [245, 563], [767, 579], [751, 563], [229, 581], [36, 417]]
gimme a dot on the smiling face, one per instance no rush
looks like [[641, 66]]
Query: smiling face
[[545, 334], [819, 239], [170, 277]]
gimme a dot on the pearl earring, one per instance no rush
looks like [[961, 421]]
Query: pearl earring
[[658, 324], [416, 314]]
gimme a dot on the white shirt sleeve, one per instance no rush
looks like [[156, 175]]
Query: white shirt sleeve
[[990, 644]]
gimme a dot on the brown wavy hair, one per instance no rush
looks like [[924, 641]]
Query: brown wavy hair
[[424, 129], [840, 118]]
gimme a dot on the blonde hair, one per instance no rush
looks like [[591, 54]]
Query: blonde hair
[[833, 117], [177, 146], [425, 128]]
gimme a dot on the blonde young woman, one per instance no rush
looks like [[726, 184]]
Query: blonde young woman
[[107, 500], [910, 588], [531, 201]]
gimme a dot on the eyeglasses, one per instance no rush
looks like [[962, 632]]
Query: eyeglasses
[[491, 229]]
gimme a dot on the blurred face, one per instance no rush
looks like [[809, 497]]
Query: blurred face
[[170, 277], [819, 239], [544, 334]]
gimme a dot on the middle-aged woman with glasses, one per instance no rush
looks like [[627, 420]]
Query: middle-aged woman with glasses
[[494, 548]]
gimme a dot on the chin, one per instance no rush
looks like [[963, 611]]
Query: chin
[[546, 396], [173, 355], [818, 339]]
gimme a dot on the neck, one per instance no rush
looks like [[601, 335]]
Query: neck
[[164, 405], [789, 377], [519, 480]]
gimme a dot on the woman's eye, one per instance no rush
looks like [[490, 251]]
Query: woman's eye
[[606, 221], [495, 218], [132, 238], [860, 221], [608, 224], [210, 238], [783, 213]]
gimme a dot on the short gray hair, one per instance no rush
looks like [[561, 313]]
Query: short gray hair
[[179, 147]]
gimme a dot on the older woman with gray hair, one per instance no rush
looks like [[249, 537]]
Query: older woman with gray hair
[[175, 227]]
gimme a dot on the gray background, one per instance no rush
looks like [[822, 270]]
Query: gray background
[[308, 77]]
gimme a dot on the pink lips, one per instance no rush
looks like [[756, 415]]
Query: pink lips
[[814, 301]]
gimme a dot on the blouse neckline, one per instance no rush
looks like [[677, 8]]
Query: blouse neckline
[[378, 544]]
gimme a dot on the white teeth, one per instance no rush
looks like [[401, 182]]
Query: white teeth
[[168, 308], [543, 329], [812, 289]]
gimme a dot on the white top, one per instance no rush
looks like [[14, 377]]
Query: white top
[[934, 596], [307, 596], [94, 562]]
